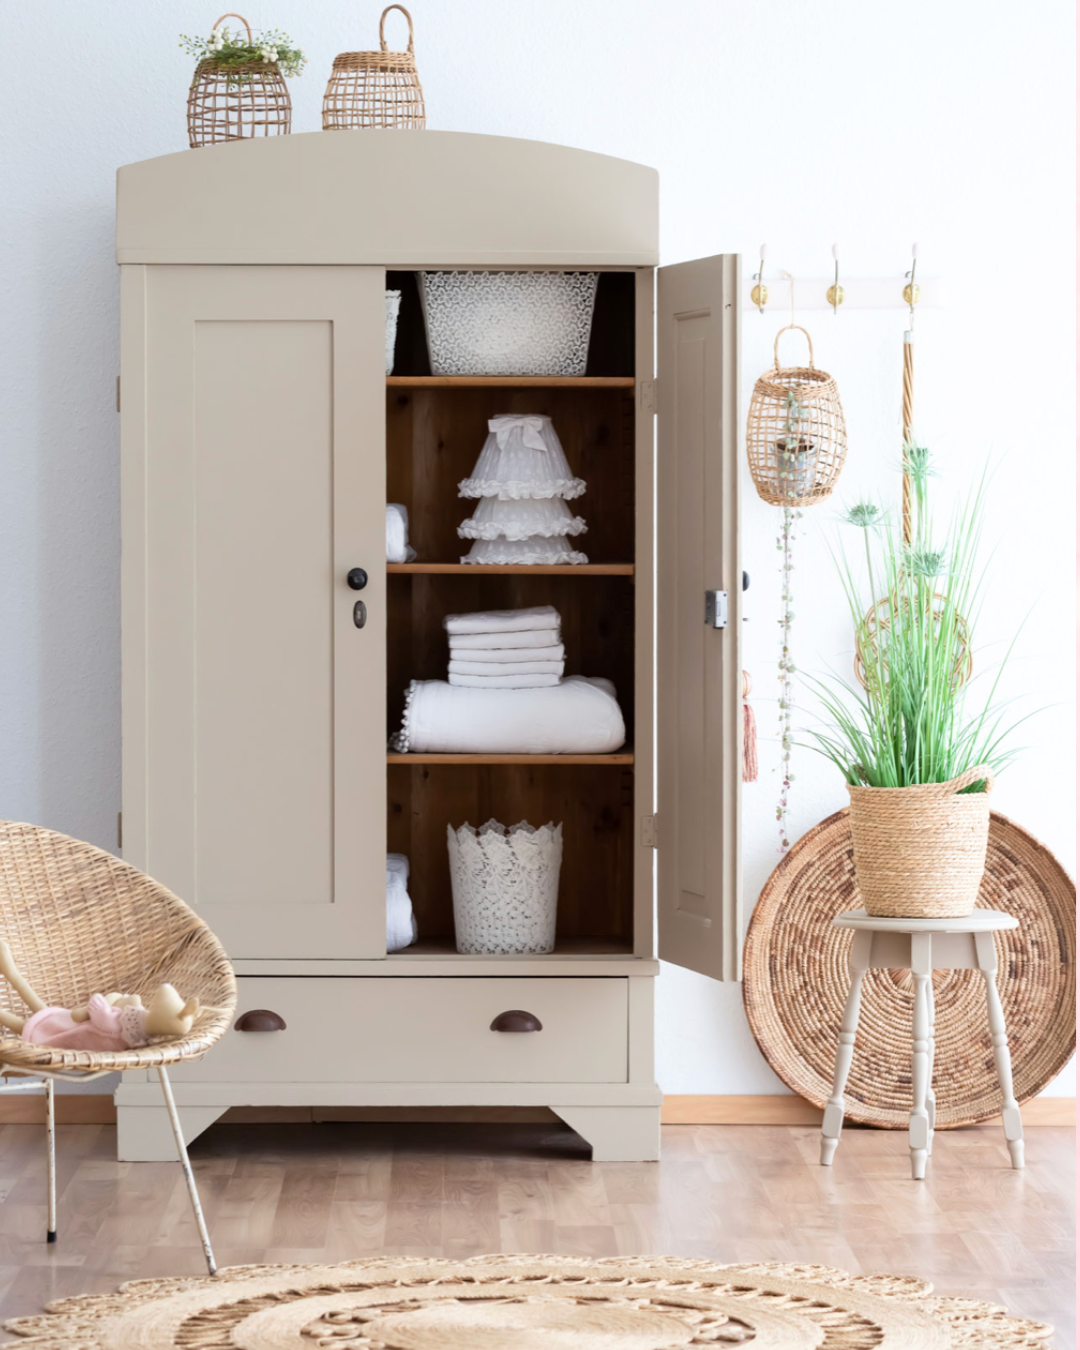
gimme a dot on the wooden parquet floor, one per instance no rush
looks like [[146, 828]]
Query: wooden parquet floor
[[330, 1192]]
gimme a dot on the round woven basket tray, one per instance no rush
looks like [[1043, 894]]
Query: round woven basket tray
[[795, 981]]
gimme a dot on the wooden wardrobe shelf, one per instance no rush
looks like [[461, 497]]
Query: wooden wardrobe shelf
[[513, 569], [620, 757], [510, 381]]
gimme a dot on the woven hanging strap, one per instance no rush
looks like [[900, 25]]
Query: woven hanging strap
[[776, 344], [382, 26], [908, 420], [232, 15]]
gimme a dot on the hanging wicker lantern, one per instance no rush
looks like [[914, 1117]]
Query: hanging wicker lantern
[[234, 102], [375, 89], [795, 435]]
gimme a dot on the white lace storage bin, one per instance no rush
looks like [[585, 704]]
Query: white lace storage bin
[[506, 887], [508, 323]]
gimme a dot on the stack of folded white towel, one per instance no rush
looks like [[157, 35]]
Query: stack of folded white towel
[[506, 648]]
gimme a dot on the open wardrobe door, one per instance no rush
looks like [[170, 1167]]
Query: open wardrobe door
[[699, 617]]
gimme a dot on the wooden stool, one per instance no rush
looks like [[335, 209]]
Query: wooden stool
[[921, 946]]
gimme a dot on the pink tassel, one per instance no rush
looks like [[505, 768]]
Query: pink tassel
[[749, 734]]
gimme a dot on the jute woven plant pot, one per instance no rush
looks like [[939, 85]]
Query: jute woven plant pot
[[920, 852]]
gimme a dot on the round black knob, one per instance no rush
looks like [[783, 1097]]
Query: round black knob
[[746, 581], [357, 578]]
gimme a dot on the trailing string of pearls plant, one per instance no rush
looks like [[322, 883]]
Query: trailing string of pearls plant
[[796, 443]]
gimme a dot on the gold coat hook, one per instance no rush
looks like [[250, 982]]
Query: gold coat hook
[[835, 294], [760, 293]]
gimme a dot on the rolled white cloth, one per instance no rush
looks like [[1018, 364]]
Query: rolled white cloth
[[577, 716], [498, 642], [397, 534], [503, 681], [504, 620], [501, 656], [494, 668], [400, 919]]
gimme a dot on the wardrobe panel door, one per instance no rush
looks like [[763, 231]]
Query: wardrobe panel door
[[265, 723], [699, 713]]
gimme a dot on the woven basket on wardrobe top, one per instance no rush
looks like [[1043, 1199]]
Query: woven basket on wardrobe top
[[796, 440], [375, 89], [232, 103]]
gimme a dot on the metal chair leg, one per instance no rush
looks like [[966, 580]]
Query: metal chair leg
[[50, 1143], [185, 1163]]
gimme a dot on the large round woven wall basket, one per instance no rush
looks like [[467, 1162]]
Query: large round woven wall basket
[[796, 440], [795, 982], [233, 103], [375, 89]]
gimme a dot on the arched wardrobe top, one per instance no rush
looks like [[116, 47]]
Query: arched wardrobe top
[[399, 198]]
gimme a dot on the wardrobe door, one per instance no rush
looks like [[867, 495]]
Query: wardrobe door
[[699, 714], [254, 480]]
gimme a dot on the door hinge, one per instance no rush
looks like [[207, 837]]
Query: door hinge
[[648, 832], [119, 829], [118, 393], [648, 396], [716, 609]]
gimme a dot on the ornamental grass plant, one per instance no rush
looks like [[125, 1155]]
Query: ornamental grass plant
[[916, 720]]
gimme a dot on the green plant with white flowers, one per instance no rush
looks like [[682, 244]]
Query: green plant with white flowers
[[232, 48]]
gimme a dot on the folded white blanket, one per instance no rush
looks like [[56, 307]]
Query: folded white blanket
[[499, 668], [577, 716], [502, 656], [503, 620], [536, 637], [397, 534], [400, 919], [504, 681]]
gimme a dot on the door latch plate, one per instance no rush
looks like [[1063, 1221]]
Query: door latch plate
[[716, 608]]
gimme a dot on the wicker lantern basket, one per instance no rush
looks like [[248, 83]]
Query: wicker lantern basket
[[375, 89], [795, 434], [234, 102]]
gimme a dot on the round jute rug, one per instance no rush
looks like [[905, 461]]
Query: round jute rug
[[527, 1303]]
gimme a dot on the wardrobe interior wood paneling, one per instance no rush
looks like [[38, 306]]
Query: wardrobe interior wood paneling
[[594, 803]]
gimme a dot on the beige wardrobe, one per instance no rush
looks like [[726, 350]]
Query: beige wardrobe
[[261, 439]]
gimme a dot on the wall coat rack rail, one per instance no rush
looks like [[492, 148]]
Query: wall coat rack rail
[[859, 293]]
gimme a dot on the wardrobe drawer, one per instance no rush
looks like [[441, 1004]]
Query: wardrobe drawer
[[436, 1030]]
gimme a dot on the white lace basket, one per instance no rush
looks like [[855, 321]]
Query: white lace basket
[[508, 323], [506, 886], [393, 309]]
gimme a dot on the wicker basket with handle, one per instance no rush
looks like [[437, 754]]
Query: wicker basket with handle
[[796, 439], [375, 89], [234, 102], [920, 852]]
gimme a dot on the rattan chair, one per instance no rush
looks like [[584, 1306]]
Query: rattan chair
[[80, 922]]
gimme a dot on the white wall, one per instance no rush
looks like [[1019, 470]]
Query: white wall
[[781, 120]]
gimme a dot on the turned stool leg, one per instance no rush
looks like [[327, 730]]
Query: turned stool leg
[[931, 1099], [833, 1120], [919, 1122], [1010, 1110]]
